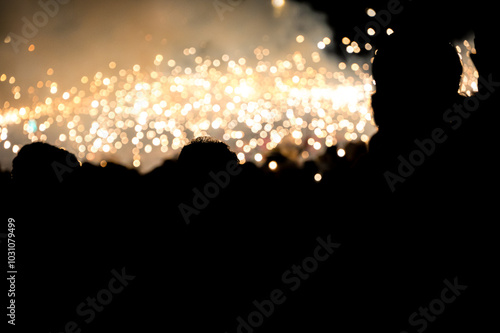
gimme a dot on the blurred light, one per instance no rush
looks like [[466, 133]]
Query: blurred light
[[273, 165], [390, 31], [278, 3], [300, 39], [341, 152], [254, 108], [371, 31], [32, 128], [370, 12], [317, 177]]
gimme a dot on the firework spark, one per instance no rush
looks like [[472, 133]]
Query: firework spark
[[253, 108], [255, 101]]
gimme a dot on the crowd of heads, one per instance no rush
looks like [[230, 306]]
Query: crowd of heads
[[209, 238]]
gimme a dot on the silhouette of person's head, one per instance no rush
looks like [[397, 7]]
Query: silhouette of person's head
[[416, 77], [203, 155], [41, 165]]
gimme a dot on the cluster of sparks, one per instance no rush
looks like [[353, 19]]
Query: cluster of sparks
[[253, 104], [252, 108], [470, 75]]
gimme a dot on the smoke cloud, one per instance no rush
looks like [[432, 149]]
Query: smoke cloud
[[63, 40]]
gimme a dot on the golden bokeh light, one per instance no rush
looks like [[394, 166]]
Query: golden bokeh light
[[278, 3], [252, 103]]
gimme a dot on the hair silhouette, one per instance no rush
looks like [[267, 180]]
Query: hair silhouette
[[203, 155], [41, 164]]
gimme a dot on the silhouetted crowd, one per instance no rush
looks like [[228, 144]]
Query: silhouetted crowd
[[397, 235]]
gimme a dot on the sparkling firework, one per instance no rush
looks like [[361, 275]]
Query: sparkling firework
[[252, 108], [133, 115]]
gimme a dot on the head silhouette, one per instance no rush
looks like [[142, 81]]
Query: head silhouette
[[43, 165], [416, 77], [203, 155]]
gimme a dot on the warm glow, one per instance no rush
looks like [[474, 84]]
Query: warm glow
[[253, 102], [370, 12], [278, 3]]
